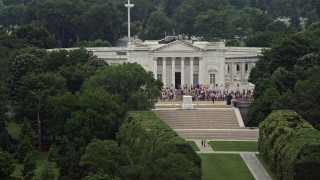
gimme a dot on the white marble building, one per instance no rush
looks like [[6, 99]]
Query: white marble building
[[187, 63]]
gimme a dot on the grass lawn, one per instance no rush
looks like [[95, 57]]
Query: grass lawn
[[193, 145], [234, 145], [266, 166], [224, 167], [13, 129], [41, 160]]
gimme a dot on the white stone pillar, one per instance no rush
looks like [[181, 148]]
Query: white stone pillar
[[173, 75], [155, 68], [232, 72], [243, 71], [201, 71], [164, 71], [222, 75], [191, 70], [182, 71]]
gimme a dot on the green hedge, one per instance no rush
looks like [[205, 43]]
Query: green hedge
[[290, 145], [155, 150]]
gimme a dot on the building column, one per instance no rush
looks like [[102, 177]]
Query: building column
[[173, 75], [221, 74], [243, 71], [155, 68], [232, 72], [191, 70], [182, 71], [164, 70], [201, 70]]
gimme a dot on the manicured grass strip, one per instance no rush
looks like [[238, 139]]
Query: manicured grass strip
[[13, 129], [266, 167], [234, 146], [224, 166], [193, 145]]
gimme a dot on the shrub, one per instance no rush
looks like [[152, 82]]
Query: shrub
[[150, 143], [6, 165], [290, 145], [53, 150]]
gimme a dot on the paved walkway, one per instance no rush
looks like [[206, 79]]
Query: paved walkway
[[255, 167], [202, 148], [250, 158]]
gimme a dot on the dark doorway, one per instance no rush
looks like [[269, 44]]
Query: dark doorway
[[178, 79]]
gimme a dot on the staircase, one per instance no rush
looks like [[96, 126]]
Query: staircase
[[206, 121]]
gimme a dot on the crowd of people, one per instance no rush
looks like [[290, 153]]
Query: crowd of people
[[204, 93]]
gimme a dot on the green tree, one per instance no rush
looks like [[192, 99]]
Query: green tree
[[35, 88], [282, 79], [157, 26], [253, 3], [309, 60], [100, 176], [47, 172], [277, 26], [4, 100], [262, 106], [261, 39], [126, 80], [105, 22], [53, 60], [306, 95], [11, 16], [180, 167], [215, 24], [97, 117], [98, 43], [75, 76], [93, 65], [6, 165], [29, 163], [5, 138], [68, 163], [170, 6], [75, 21], [27, 138], [103, 156], [36, 35], [22, 65], [185, 19], [52, 154], [58, 110], [239, 4]]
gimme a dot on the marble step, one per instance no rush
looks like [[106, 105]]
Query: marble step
[[236, 134]]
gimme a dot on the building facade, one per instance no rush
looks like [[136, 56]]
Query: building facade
[[187, 63]]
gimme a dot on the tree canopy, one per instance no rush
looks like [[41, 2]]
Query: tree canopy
[[286, 77], [70, 23]]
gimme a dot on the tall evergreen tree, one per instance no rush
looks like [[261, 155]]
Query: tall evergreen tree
[[27, 138]]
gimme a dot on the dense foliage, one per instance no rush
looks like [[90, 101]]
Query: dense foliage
[[59, 92], [287, 77], [146, 148], [290, 145], [79, 22], [6, 165]]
